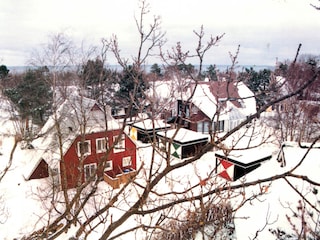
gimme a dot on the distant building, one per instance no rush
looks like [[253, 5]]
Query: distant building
[[204, 105], [215, 106]]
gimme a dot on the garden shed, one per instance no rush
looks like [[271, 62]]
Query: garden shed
[[185, 143], [144, 130], [41, 170], [237, 163]]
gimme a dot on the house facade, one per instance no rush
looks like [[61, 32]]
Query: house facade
[[111, 153], [88, 143]]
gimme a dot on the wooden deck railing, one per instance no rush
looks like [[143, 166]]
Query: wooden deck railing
[[119, 179]]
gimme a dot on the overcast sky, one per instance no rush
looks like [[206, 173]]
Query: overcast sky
[[266, 30]]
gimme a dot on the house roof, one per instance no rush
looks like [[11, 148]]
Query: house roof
[[207, 95], [225, 90], [150, 124], [33, 158], [246, 158], [184, 136], [236, 99]]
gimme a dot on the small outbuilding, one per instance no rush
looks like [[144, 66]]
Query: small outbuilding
[[185, 143], [145, 130], [41, 170], [237, 163]]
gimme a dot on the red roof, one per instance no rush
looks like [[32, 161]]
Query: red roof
[[224, 90]]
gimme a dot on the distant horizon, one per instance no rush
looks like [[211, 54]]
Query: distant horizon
[[221, 67]]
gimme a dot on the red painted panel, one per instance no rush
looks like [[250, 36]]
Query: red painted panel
[[71, 157], [226, 169], [225, 175], [41, 171], [225, 164]]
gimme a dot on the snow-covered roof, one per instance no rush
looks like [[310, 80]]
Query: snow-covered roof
[[207, 96], [236, 98], [246, 157], [149, 124], [161, 89], [183, 135], [204, 100], [247, 98], [8, 112], [32, 159]]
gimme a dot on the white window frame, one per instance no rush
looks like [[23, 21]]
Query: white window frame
[[110, 167], [101, 147], [92, 169], [79, 148], [121, 144], [127, 161]]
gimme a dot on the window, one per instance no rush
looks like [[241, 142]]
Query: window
[[203, 127], [183, 109], [101, 145], [126, 161], [119, 143], [84, 148], [218, 126], [89, 171], [199, 126], [108, 166]]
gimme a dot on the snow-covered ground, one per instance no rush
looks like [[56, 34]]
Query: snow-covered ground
[[274, 208], [22, 209]]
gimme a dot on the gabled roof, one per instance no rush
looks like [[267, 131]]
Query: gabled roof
[[236, 99], [223, 90]]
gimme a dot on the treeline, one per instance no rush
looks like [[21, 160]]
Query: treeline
[[32, 90]]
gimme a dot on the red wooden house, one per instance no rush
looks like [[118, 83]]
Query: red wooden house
[[82, 142]]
